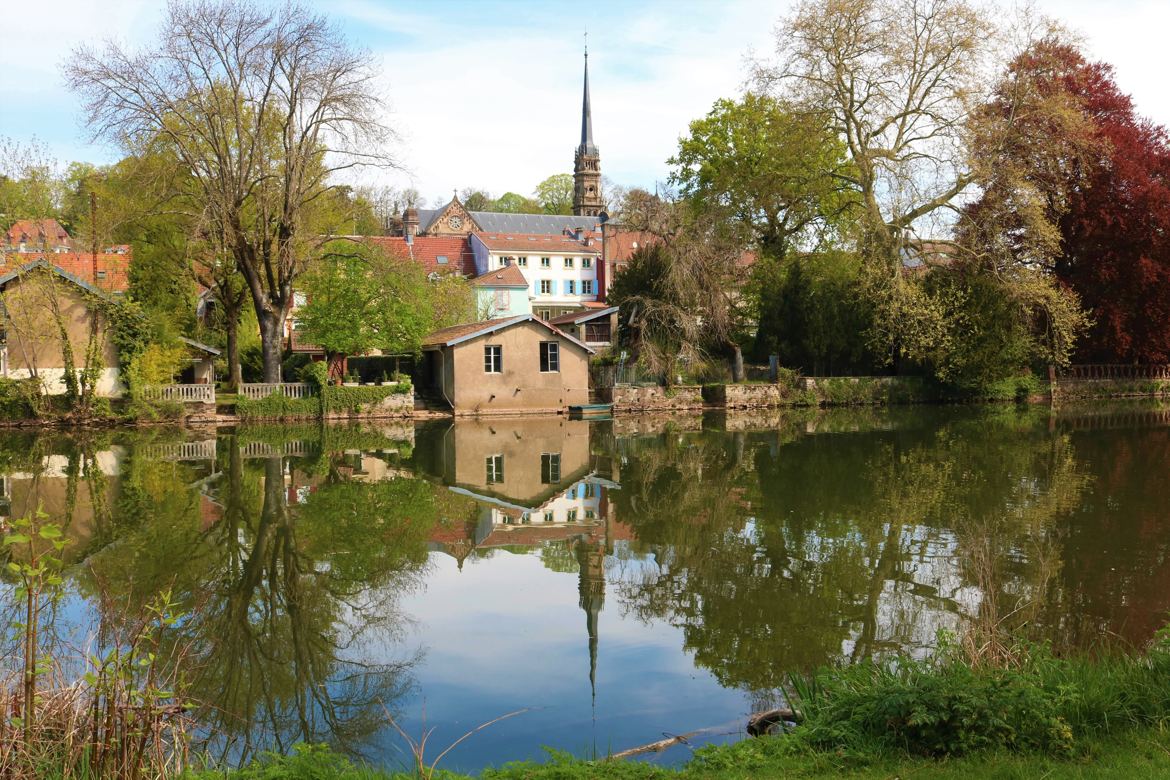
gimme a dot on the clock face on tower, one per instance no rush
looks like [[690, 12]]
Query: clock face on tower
[[455, 222]]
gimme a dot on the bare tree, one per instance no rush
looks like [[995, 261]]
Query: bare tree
[[264, 107]]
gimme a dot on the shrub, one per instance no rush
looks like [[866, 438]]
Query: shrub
[[20, 399]]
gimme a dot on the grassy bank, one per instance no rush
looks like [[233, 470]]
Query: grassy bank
[[1021, 712]]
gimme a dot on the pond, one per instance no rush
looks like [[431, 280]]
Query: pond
[[612, 581]]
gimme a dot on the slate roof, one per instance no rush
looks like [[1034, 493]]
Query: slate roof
[[508, 276], [536, 243], [544, 224], [457, 334]]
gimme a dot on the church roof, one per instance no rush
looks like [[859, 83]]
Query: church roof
[[547, 224], [587, 145]]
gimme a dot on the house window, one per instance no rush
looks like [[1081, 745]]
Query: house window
[[590, 490], [493, 359], [548, 517], [570, 287], [546, 262], [522, 262], [544, 314], [571, 516], [546, 286], [590, 514], [441, 259], [550, 356], [597, 332], [568, 262], [586, 262], [550, 468], [505, 262], [503, 299], [525, 518], [586, 286], [494, 465]]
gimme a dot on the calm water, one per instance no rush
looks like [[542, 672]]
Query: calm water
[[620, 580]]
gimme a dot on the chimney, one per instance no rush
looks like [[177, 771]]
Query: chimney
[[410, 223]]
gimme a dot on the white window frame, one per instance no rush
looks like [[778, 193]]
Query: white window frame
[[587, 287], [586, 262], [569, 262], [546, 262], [546, 286], [493, 362], [550, 355]]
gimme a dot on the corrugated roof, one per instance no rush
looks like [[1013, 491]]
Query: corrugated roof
[[508, 276]]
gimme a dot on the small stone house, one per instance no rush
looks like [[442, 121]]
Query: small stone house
[[37, 301], [508, 365]]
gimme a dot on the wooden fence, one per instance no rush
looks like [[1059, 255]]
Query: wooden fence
[[257, 390], [188, 394], [1116, 371]]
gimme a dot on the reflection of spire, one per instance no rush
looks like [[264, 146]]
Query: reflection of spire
[[591, 558]]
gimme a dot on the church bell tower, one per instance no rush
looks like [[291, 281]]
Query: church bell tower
[[587, 162]]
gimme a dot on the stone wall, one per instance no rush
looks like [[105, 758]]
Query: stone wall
[[629, 398], [752, 396], [397, 405], [1072, 389]]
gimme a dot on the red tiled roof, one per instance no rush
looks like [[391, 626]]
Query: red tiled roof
[[429, 249], [113, 267], [535, 243], [39, 232], [444, 337], [508, 276], [620, 245]]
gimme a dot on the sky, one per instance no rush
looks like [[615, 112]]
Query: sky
[[487, 93]]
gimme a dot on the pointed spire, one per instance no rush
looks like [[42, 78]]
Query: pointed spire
[[587, 146]]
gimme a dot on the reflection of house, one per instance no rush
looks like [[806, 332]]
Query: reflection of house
[[507, 365], [39, 300]]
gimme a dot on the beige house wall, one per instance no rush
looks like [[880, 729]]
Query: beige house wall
[[521, 386], [34, 345], [520, 443]]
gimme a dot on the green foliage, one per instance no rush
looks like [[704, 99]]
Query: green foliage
[[514, 203], [777, 173], [277, 406], [307, 762], [555, 194], [20, 399]]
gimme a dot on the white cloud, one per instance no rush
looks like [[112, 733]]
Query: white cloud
[[489, 95]]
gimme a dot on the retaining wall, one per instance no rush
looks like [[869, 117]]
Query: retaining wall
[[629, 398]]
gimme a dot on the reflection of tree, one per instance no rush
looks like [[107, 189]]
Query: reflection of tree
[[778, 555], [279, 593]]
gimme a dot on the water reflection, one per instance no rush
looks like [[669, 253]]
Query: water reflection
[[623, 578]]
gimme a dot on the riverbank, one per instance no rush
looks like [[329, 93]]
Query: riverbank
[[999, 708], [1139, 753]]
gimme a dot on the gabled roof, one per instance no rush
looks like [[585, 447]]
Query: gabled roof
[[113, 267], [508, 276], [38, 231], [577, 317], [43, 263], [457, 334], [200, 346], [437, 254], [535, 243]]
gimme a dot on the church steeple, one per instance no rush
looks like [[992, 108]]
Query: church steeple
[[587, 161]]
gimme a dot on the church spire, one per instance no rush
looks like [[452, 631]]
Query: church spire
[[587, 160], [587, 146]]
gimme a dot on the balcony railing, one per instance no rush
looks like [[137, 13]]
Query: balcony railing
[[187, 394], [257, 390]]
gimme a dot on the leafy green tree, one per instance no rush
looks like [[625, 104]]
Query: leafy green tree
[[514, 203], [476, 200], [555, 194], [360, 299], [775, 172]]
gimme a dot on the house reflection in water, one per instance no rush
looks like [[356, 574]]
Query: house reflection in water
[[536, 485]]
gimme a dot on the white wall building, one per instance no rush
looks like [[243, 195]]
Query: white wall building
[[563, 273]]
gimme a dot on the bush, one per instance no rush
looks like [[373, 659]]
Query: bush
[[20, 399], [277, 406]]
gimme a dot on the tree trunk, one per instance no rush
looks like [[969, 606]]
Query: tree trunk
[[737, 372], [232, 326], [271, 338]]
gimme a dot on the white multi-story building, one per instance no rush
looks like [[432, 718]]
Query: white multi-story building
[[563, 272]]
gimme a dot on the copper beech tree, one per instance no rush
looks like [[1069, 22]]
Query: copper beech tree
[[264, 105]]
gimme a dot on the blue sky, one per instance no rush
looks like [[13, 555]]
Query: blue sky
[[486, 93]]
